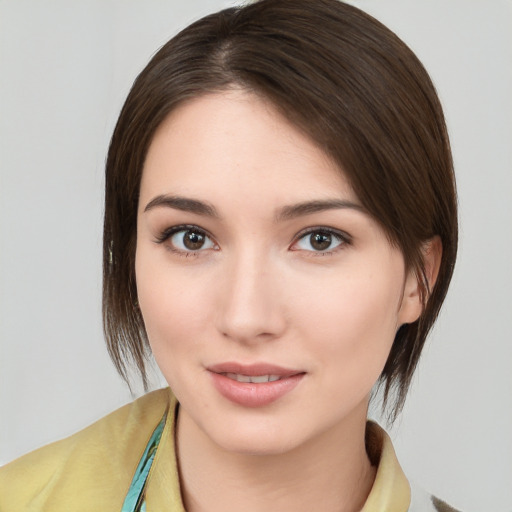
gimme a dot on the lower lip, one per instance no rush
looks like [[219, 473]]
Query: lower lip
[[250, 394]]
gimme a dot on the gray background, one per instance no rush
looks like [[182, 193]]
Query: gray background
[[65, 68]]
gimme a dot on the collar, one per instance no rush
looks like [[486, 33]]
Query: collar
[[391, 491]]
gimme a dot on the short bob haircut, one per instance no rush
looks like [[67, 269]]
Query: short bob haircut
[[353, 87]]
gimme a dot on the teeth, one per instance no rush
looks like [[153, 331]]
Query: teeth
[[260, 378], [256, 379]]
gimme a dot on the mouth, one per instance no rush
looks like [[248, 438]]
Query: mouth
[[256, 372], [254, 385]]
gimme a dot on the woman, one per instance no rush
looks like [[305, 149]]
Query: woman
[[280, 232]]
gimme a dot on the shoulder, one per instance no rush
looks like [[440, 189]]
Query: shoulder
[[422, 501], [92, 466]]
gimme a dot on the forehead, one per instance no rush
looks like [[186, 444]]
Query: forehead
[[236, 143]]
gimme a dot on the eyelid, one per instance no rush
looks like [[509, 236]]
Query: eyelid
[[167, 233], [344, 237]]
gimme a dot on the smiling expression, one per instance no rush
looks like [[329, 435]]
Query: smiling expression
[[271, 298]]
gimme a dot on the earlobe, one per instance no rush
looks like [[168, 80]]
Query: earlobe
[[413, 298]]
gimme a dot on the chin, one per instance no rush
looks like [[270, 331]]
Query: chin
[[257, 445], [263, 436]]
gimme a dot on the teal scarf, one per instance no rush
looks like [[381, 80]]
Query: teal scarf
[[135, 500]]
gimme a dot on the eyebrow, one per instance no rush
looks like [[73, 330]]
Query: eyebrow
[[310, 207], [285, 213], [184, 204]]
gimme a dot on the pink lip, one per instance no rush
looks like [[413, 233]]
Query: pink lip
[[253, 370], [250, 394]]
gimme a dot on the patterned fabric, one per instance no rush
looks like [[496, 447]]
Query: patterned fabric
[[135, 499]]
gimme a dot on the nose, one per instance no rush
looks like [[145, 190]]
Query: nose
[[250, 308]]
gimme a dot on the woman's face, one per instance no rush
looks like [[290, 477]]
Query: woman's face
[[270, 297]]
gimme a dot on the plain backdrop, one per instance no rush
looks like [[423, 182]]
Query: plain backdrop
[[65, 69]]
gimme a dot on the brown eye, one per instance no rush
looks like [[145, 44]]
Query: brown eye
[[191, 240], [320, 240]]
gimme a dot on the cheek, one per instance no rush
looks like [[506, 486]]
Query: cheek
[[172, 306], [352, 322]]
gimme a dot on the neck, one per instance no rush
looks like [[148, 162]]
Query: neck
[[331, 472]]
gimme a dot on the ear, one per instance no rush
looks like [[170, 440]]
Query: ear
[[412, 304]]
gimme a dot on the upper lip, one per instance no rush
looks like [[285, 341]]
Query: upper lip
[[253, 370]]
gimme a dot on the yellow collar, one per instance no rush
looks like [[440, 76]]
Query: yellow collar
[[391, 491]]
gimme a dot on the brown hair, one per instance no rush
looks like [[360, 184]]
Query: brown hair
[[353, 86]]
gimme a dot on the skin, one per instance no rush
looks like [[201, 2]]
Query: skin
[[259, 291]]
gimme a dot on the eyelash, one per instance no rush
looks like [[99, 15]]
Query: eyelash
[[168, 233], [343, 238]]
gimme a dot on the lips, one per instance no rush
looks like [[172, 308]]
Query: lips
[[254, 385], [253, 370]]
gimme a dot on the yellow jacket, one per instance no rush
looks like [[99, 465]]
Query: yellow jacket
[[93, 469]]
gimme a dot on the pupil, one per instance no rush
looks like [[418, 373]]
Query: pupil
[[320, 241], [193, 240]]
